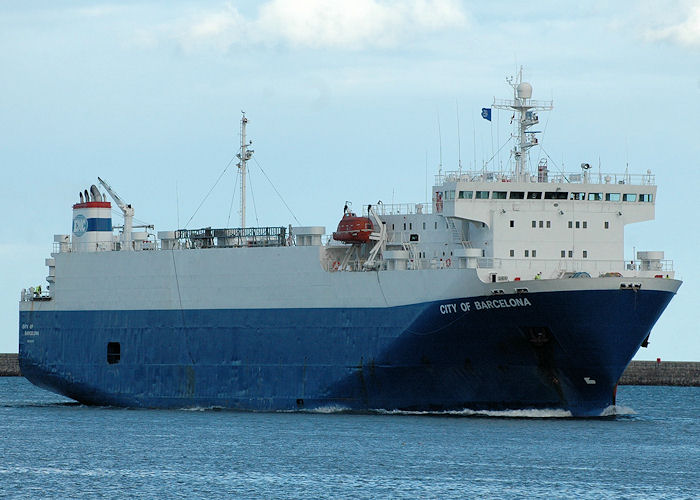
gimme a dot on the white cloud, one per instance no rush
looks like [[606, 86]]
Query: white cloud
[[685, 30], [344, 24], [219, 29]]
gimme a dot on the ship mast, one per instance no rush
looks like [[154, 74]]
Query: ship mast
[[525, 115], [244, 155]]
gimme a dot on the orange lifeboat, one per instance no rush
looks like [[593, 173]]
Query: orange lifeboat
[[353, 229]]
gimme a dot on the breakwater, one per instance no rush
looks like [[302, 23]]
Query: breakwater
[[637, 373], [662, 373], [9, 365]]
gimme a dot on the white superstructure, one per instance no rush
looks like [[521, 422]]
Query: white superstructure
[[518, 225]]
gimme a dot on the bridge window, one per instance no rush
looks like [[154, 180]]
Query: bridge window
[[571, 224], [534, 223], [449, 195], [585, 254], [534, 195], [541, 224], [527, 253], [482, 195], [517, 195], [629, 197], [534, 253], [466, 195], [612, 196], [512, 223], [578, 225], [563, 254], [577, 196], [607, 225], [499, 195], [549, 224], [556, 195], [595, 196], [571, 253], [645, 197], [585, 224], [512, 253]]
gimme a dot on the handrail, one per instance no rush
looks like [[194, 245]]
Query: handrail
[[402, 208], [511, 265], [602, 178], [567, 265]]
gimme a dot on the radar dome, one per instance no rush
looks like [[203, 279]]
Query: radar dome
[[524, 90]]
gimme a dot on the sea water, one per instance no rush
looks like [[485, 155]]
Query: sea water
[[52, 447]]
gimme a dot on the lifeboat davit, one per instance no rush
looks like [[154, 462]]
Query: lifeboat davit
[[353, 229]]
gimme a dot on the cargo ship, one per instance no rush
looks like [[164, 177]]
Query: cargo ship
[[508, 289]]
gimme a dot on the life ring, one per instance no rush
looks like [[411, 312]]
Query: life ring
[[336, 265], [448, 262]]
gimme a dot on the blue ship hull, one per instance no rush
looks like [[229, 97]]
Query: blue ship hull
[[561, 350]]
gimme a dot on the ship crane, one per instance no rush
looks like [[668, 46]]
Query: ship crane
[[128, 212]]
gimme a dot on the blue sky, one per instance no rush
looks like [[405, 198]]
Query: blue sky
[[343, 99]]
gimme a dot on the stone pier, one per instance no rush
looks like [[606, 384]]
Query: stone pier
[[9, 365], [662, 373]]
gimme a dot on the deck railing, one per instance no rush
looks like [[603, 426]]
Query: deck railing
[[575, 265], [401, 208], [579, 177]]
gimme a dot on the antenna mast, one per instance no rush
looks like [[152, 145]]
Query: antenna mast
[[439, 139], [525, 108], [459, 142], [244, 155]]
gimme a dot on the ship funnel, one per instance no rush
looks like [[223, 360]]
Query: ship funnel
[[92, 223]]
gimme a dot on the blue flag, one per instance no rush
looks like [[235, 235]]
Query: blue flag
[[486, 113]]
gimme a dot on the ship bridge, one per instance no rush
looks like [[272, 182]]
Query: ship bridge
[[567, 219]]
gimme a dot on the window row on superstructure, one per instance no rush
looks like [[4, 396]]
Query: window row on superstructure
[[548, 195], [548, 224], [564, 253], [409, 226], [542, 224], [570, 254]]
